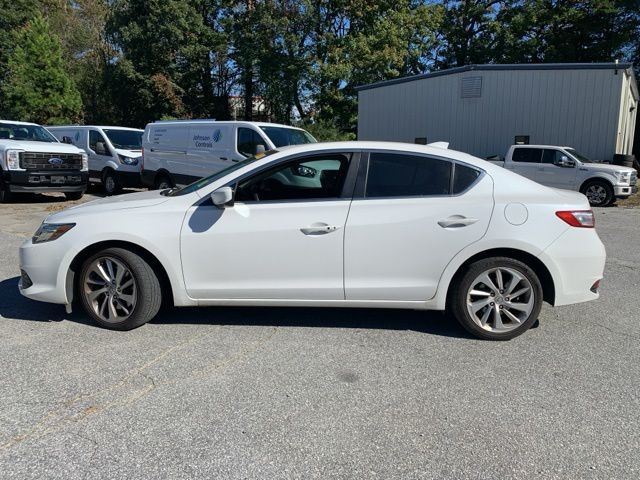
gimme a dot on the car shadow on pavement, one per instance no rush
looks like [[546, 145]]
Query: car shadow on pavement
[[14, 306], [429, 322]]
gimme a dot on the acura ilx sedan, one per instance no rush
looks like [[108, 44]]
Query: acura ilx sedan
[[353, 224]]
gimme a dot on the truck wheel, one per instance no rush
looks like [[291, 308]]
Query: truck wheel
[[119, 289], [73, 195], [110, 183], [497, 298], [163, 182], [5, 193], [598, 192]]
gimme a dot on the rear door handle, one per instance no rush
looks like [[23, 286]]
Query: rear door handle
[[457, 221], [319, 229]]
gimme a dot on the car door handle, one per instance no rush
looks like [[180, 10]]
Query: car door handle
[[224, 158], [318, 229], [457, 221]]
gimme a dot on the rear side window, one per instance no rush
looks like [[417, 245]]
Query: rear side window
[[527, 155], [463, 178], [399, 175]]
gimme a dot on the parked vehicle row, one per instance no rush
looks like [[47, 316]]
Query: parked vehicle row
[[565, 167], [353, 224]]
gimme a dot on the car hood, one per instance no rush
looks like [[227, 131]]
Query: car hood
[[129, 153], [110, 204], [606, 168], [49, 147]]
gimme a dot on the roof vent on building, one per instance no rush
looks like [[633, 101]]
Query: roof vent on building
[[471, 87]]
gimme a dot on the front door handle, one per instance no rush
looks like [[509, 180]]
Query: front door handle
[[319, 229], [457, 221]]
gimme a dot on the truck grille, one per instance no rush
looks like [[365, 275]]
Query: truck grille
[[43, 161], [634, 178]]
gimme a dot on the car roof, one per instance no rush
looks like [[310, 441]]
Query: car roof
[[541, 146], [96, 126], [20, 123], [223, 122]]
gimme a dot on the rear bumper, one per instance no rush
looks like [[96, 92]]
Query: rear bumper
[[39, 181], [576, 261]]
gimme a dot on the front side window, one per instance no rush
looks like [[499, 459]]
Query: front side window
[[309, 178], [248, 141], [527, 155], [551, 156], [95, 138], [400, 175]]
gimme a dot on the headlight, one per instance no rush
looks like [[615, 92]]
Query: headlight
[[12, 158], [85, 162], [50, 231], [128, 160], [624, 177]]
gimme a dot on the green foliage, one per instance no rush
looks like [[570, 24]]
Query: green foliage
[[327, 132], [38, 87]]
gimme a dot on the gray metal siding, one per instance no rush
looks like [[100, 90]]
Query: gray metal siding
[[579, 108]]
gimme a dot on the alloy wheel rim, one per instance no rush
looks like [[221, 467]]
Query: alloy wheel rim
[[596, 194], [500, 299], [110, 289]]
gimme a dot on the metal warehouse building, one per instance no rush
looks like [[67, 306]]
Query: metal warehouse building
[[484, 109]]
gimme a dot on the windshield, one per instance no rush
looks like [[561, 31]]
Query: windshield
[[282, 136], [203, 182], [31, 133], [125, 139], [579, 156]]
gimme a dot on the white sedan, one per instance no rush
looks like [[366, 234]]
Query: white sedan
[[353, 224]]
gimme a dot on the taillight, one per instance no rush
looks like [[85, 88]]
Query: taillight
[[578, 218]]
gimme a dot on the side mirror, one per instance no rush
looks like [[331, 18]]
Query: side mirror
[[565, 162], [101, 149], [67, 140], [260, 149], [222, 197]]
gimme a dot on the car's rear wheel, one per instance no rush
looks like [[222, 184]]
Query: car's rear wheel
[[119, 289], [599, 193], [163, 182], [497, 298]]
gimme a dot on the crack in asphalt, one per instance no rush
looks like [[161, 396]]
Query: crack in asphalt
[[126, 391]]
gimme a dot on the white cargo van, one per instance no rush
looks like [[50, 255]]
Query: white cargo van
[[114, 153], [182, 151]]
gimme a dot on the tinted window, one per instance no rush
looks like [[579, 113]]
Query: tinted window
[[303, 179], [527, 155], [282, 137], [94, 138], [550, 156], [463, 177], [398, 175], [248, 140]]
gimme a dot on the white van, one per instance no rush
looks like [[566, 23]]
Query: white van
[[182, 151], [114, 153]]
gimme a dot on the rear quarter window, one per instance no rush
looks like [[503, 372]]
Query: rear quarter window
[[464, 177]]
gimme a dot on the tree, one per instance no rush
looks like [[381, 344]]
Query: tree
[[38, 87]]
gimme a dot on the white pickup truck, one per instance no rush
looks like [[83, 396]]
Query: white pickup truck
[[32, 160], [564, 167]]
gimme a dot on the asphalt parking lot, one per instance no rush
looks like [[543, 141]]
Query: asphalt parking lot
[[309, 393]]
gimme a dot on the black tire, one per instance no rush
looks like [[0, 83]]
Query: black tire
[[110, 183], [148, 289], [460, 294], [73, 195], [598, 192], [5, 193], [163, 182]]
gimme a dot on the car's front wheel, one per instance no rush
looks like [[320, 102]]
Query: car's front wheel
[[119, 289], [497, 298], [599, 193]]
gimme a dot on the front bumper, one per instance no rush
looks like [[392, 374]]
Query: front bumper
[[624, 190], [41, 265], [39, 181]]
